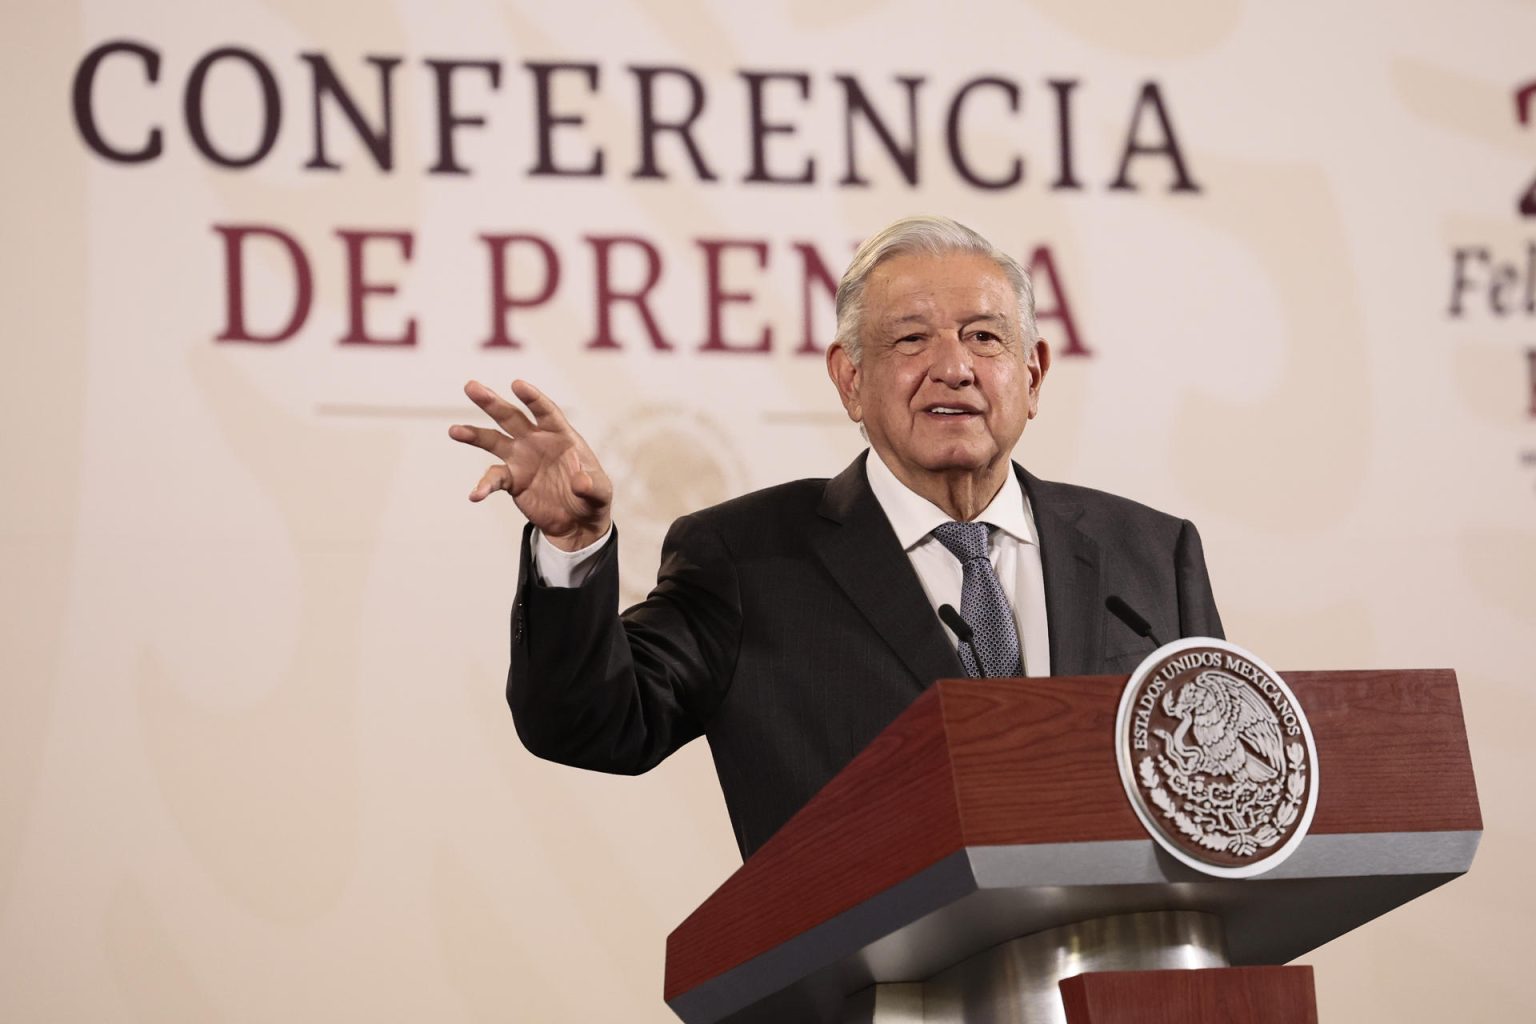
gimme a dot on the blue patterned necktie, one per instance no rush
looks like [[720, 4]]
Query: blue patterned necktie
[[983, 604]]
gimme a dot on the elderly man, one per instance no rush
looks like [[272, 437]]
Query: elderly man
[[791, 625]]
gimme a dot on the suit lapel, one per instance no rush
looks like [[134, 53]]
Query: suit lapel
[[1069, 560], [861, 552]]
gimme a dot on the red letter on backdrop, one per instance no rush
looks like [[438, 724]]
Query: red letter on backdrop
[[816, 272], [502, 300], [717, 297], [235, 328], [358, 289], [607, 295], [1042, 268]]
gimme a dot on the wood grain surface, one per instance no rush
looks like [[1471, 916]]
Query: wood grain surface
[[981, 762], [1034, 760], [888, 815], [1229, 995]]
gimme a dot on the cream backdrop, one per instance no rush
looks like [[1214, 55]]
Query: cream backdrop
[[255, 762]]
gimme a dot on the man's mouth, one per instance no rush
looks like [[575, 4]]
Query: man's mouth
[[952, 410]]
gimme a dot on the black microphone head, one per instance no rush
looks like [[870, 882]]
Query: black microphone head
[[1126, 614], [956, 624]]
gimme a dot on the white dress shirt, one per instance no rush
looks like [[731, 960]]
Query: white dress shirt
[[557, 568], [1013, 544]]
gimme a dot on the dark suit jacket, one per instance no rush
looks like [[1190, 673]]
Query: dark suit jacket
[[789, 626]]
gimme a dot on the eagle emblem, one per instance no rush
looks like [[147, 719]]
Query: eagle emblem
[[1217, 757], [1236, 733]]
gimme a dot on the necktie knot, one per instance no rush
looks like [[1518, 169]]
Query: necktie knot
[[966, 541], [994, 647]]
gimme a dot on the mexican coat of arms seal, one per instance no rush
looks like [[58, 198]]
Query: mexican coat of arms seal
[[1217, 757]]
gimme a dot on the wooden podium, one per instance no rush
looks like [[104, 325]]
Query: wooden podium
[[984, 841]]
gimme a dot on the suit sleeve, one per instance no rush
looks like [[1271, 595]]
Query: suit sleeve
[[1197, 604], [591, 688]]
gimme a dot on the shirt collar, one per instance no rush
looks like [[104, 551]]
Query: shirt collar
[[913, 516]]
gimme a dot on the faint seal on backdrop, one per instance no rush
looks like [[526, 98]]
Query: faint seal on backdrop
[[1217, 757], [665, 463]]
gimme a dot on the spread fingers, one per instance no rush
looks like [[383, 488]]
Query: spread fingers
[[493, 441], [507, 416]]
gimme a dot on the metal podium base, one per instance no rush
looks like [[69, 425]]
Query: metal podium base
[[1015, 983]]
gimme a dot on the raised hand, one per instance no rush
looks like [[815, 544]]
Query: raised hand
[[551, 473]]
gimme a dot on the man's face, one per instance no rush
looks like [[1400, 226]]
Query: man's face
[[946, 381]]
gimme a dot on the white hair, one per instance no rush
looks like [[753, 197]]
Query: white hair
[[934, 236]]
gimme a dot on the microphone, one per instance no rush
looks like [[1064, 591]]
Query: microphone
[[1126, 614], [962, 631]]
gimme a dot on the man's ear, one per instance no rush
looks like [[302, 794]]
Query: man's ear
[[845, 377], [1037, 364]]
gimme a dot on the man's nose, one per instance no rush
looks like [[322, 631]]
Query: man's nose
[[952, 362]]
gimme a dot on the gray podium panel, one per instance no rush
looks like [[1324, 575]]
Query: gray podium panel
[[983, 896]]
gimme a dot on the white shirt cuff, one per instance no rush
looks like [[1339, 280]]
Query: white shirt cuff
[[557, 568]]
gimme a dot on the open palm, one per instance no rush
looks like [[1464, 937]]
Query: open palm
[[551, 473]]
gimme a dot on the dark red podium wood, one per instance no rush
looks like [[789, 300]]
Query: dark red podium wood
[[994, 808], [1234, 995]]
